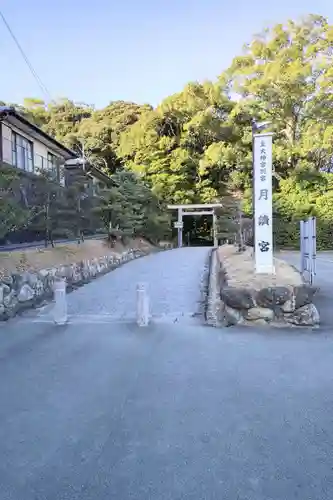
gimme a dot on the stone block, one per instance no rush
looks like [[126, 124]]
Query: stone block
[[289, 306], [232, 316], [3, 290], [26, 293], [272, 296], [237, 298], [306, 315], [260, 313], [304, 295]]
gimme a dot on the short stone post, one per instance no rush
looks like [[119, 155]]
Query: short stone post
[[142, 305], [59, 311]]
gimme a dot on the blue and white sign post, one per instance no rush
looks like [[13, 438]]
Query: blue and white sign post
[[263, 212]]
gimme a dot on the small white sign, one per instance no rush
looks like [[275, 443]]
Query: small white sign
[[178, 225], [263, 213]]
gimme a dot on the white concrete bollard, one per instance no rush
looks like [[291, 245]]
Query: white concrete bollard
[[142, 305], [59, 311]]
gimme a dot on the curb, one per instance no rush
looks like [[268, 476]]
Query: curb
[[212, 309]]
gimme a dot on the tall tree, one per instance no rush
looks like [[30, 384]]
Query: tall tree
[[14, 214], [196, 146], [166, 145], [131, 208], [100, 133], [231, 224], [286, 76]]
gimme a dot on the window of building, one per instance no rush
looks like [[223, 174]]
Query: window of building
[[22, 155]]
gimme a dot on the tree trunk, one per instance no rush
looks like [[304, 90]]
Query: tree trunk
[[241, 236], [47, 208], [79, 220]]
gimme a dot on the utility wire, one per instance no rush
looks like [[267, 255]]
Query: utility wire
[[26, 59]]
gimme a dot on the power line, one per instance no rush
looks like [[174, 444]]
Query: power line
[[25, 57]]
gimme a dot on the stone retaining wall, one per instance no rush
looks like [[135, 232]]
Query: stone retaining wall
[[213, 304], [19, 292], [270, 305]]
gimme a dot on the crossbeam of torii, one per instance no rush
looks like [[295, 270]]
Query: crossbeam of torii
[[194, 209]]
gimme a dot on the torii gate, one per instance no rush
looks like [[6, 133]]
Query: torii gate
[[196, 209]]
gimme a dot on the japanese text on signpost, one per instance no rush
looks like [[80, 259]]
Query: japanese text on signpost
[[263, 203]]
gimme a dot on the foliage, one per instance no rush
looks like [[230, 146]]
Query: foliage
[[303, 195], [131, 207], [13, 212], [81, 203], [39, 208], [286, 76], [181, 148], [196, 146], [232, 224]]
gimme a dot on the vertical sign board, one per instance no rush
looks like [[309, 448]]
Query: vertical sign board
[[180, 227], [263, 203]]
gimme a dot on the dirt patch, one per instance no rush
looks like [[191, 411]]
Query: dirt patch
[[241, 272], [34, 259]]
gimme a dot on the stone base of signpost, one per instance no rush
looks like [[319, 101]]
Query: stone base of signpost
[[267, 270], [239, 296]]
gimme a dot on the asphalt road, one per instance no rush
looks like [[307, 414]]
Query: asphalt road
[[176, 411]]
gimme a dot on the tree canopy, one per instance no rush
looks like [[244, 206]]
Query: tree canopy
[[196, 145]]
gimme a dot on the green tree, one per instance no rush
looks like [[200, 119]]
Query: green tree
[[285, 76], [129, 207], [165, 146], [14, 214], [196, 146], [230, 221]]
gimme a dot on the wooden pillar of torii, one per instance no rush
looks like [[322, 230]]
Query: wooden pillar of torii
[[194, 209]]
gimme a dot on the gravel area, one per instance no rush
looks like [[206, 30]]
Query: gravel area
[[241, 270], [34, 259]]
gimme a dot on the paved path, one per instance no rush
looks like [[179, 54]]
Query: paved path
[[177, 411], [173, 279]]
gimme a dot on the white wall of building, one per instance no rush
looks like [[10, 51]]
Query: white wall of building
[[40, 150], [6, 144]]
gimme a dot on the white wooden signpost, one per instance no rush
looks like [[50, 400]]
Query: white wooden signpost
[[263, 213]]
